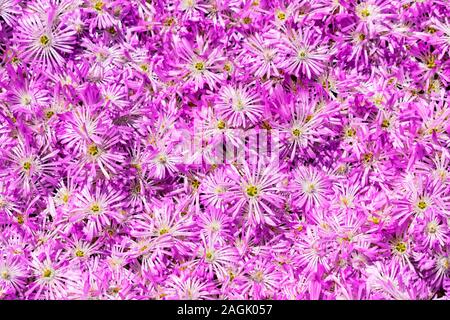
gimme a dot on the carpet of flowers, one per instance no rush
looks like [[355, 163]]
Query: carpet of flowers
[[320, 167]]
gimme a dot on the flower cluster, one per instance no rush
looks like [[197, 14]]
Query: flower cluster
[[224, 149]]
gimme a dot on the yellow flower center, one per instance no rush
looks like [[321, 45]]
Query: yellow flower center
[[431, 62], [44, 40], [144, 67], [281, 15], [93, 150], [112, 30], [350, 132], [27, 165], [432, 227], [195, 184], [345, 201], [401, 247], [115, 290], [209, 256], [375, 220], [219, 190], [95, 208], [368, 157], [98, 5], [445, 263], [49, 114], [221, 124], [422, 205], [365, 13], [169, 21], [258, 276], [5, 275], [296, 132], [310, 187], [65, 198], [79, 253], [215, 226], [199, 66], [20, 219], [247, 20], [301, 55], [137, 166], [136, 188], [239, 105], [47, 273], [227, 67], [162, 159], [252, 191], [163, 231], [26, 100], [385, 124]]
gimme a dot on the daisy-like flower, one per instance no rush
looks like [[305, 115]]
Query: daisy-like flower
[[66, 191], [7, 203], [115, 96], [261, 280], [257, 190], [189, 287], [215, 223], [34, 169], [100, 156], [439, 166], [166, 227], [434, 231], [374, 13], [43, 41], [421, 194], [192, 9], [240, 106], [103, 18], [81, 250], [302, 54], [53, 278], [346, 195], [443, 38], [302, 125], [214, 188], [310, 188], [83, 127], [198, 66], [214, 258], [383, 278], [314, 251], [8, 9], [99, 205], [263, 58], [12, 273], [27, 95], [401, 250], [163, 162], [441, 267]]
